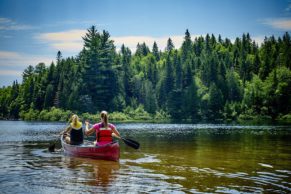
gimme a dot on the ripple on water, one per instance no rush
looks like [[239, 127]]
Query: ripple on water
[[137, 179], [284, 171], [265, 165], [147, 159], [237, 189], [44, 153], [262, 178]]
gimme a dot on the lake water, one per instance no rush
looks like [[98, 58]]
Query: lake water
[[173, 158]]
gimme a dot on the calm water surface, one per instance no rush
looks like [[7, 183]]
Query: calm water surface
[[174, 158]]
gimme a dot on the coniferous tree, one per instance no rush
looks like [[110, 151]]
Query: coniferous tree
[[170, 45], [286, 50], [101, 77], [215, 102], [127, 73], [169, 82], [186, 47], [178, 71], [191, 102], [28, 72], [156, 51], [14, 106]]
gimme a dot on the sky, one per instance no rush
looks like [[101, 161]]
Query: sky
[[33, 31]]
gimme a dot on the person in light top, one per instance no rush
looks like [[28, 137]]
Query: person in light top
[[104, 130]]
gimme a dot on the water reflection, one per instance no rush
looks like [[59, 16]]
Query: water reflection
[[92, 172]]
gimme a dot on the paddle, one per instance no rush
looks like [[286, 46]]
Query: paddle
[[52, 146], [131, 143]]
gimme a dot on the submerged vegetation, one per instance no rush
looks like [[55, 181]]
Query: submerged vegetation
[[208, 78]]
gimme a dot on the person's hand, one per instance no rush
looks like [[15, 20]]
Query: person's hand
[[87, 122]]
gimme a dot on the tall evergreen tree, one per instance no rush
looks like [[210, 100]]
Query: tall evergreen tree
[[128, 74], [156, 51], [186, 46], [215, 102], [100, 74], [170, 45], [178, 71]]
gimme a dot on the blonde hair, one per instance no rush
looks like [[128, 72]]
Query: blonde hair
[[75, 119], [104, 116]]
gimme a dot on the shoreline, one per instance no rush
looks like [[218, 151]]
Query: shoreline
[[218, 121]]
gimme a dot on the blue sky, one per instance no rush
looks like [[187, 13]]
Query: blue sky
[[32, 31]]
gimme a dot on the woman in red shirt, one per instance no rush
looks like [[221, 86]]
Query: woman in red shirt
[[104, 130]]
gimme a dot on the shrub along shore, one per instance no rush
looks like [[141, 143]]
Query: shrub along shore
[[138, 115]]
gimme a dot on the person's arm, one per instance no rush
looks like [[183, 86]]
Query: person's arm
[[87, 130], [67, 130], [115, 132]]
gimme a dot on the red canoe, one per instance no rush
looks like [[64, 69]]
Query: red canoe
[[105, 152]]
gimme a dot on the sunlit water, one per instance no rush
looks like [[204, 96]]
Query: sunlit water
[[174, 158]]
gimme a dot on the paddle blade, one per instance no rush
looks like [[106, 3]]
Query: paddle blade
[[131, 143], [51, 148]]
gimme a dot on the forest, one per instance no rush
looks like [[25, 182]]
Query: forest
[[207, 78]]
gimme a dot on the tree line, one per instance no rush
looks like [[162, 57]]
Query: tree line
[[207, 78]]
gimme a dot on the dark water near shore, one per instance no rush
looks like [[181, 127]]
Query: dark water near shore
[[174, 158]]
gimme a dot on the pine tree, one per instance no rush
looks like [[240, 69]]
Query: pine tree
[[178, 71], [48, 100], [170, 45], [186, 47], [156, 51], [286, 50], [198, 46], [150, 100], [142, 50], [14, 105], [169, 82], [191, 102], [215, 102], [128, 74], [28, 72], [266, 59]]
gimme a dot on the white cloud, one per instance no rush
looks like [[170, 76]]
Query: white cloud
[[65, 36], [10, 72], [12, 65], [12, 60], [279, 23], [71, 40], [66, 41], [132, 41], [258, 39], [5, 20], [8, 24], [8, 55]]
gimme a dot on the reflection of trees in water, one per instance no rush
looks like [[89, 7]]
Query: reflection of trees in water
[[104, 172], [91, 172]]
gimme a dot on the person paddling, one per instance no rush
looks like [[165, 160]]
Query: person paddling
[[73, 134], [104, 130]]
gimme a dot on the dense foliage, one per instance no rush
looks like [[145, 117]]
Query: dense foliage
[[207, 78]]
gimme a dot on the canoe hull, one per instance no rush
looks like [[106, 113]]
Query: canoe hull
[[106, 152]]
